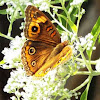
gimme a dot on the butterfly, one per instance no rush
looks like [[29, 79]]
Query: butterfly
[[43, 50]]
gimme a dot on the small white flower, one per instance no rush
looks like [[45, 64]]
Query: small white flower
[[74, 50], [88, 48], [78, 67], [2, 3], [64, 37], [8, 54], [10, 10], [5, 66], [13, 98], [44, 7], [72, 36], [83, 41], [83, 11], [22, 25], [76, 97], [17, 93], [97, 67], [77, 45], [68, 99], [94, 48], [84, 66], [10, 80], [89, 45], [16, 42], [55, 9], [89, 36]]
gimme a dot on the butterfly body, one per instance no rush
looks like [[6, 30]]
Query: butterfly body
[[43, 50]]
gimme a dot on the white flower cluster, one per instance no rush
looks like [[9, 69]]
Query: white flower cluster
[[44, 5], [39, 89], [12, 56], [65, 36], [72, 36], [15, 3], [76, 2], [16, 81], [85, 42], [28, 89], [15, 8]]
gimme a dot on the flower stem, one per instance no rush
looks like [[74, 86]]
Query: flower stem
[[59, 23], [94, 73], [79, 18], [55, 2], [82, 85], [5, 36], [56, 7], [81, 60], [83, 57], [83, 73]]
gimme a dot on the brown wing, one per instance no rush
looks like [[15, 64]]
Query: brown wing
[[38, 57], [34, 55], [39, 28], [60, 54]]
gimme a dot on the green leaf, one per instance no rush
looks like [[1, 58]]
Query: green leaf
[[2, 62], [84, 94], [99, 39], [95, 32], [73, 26], [72, 18], [96, 27], [3, 12]]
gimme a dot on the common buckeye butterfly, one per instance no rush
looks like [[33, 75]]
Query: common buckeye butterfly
[[43, 50]]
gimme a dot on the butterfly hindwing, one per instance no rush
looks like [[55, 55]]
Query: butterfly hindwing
[[38, 57], [34, 54]]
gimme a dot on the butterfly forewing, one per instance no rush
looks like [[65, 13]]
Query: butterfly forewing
[[48, 32]]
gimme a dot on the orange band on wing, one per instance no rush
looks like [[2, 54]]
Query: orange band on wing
[[53, 34], [49, 28], [40, 19]]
